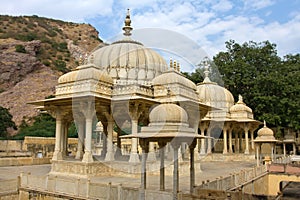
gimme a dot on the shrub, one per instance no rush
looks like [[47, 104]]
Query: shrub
[[20, 48]]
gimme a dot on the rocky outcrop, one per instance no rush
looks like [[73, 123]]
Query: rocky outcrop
[[34, 52], [14, 66]]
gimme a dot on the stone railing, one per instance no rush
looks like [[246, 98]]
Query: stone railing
[[234, 180], [283, 159], [84, 188]]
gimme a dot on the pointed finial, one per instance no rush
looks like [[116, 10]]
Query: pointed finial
[[127, 28], [171, 63], [81, 60], [178, 67], [206, 69], [240, 98], [175, 65], [265, 124], [85, 59]]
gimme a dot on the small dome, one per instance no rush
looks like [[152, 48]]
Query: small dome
[[265, 131], [240, 106], [171, 77], [168, 113], [215, 95], [85, 72]]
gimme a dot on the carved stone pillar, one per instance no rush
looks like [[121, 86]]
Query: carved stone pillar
[[202, 147], [209, 142], [225, 141], [252, 139], [110, 148], [89, 112], [192, 167], [134, 115], [175, 147], [230, 140], [79, 153], [57, 155], [118, 152], [145, 150], [162, 147], [246, 140]]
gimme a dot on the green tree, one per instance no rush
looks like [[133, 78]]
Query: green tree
[[43, 126], [5, 121], [269, 84]]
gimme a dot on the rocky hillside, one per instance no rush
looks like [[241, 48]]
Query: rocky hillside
[[34, 52]]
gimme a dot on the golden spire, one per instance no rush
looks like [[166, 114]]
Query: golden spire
[[127, 28]]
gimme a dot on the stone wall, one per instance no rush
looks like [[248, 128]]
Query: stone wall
[[11, 145], [18, 161]]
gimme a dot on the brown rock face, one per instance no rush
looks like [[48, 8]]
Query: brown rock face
[[16, 65], [34, 52]]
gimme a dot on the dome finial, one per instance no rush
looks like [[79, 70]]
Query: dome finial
[[175, 65], [240, 98], [206, 69], [171, 63], [127, 28]]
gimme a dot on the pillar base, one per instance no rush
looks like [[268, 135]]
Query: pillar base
[[109, 156], [79, 155], [246, 152], [87, 157], [57, 155], [225, 152], [134, 158], [151, 157]]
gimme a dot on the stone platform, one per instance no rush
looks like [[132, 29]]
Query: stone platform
[[116, 168]]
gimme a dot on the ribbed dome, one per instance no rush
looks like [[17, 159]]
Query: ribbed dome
[[171, 77], [85, 72], [265, 131], [128, 59], [215, 95], [240, 106], [168, 113], [265, 135]]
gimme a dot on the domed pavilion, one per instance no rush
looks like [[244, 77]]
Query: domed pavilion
[[229, 119], [122, 83]]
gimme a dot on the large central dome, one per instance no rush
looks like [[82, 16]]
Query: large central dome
[[127, 59]]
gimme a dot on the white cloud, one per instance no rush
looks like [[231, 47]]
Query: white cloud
[[222, 6], [204, 22], [257, 4], [71, 10]]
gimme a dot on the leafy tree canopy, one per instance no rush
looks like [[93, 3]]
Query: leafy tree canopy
[[5, 121], [268, 83]]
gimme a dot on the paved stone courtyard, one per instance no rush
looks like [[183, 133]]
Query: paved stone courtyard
[[210, 171]]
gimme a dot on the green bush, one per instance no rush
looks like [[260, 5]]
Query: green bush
[[61, 66], [20, 48]]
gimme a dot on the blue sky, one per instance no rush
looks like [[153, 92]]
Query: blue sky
[[206, 23]]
